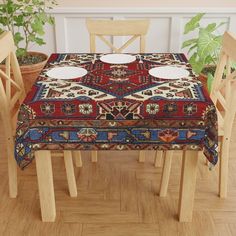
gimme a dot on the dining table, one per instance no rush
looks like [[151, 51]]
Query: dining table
[[154, 101]]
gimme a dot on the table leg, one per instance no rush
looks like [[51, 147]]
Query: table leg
[[166, 173], [45, 183], [141, 156], [159, 158], [77, 157], [94, 156], [70, 173], [187, 185]]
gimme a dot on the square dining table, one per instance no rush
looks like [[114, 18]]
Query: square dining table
[[120, 107]]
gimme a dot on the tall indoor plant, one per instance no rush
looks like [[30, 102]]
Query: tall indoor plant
[[26, 20], [203, 49]]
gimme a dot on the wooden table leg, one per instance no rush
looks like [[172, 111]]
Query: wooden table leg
[[187, 185], [45, 183], [77, 157], [94, 156], [70, 173], [141, 156], [166, 173], [159, 158]]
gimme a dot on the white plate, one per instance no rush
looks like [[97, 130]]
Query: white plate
[[117, 58], [168, 72], [66, 72]]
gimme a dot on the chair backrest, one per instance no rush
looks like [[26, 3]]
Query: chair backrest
[[12, 90], [223, 91], [101, 28]]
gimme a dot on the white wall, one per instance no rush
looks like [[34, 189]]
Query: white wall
[[147, 3], [165, 32]]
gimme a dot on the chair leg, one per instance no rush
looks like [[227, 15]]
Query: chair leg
[[70, 173], [224, 166], [77, 158], [45, 183], [141, 156], [94, 156], [12, 166], [12, 170], [159, 158], [187, 185], [166, 173]]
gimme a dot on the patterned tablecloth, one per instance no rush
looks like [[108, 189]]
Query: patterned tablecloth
[[116, 107]]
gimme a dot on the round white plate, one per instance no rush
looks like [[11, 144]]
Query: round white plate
[[168, 72], [66, 72], [117, 58]]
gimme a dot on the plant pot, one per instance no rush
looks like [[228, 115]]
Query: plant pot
[[31, 72], [203, 78]]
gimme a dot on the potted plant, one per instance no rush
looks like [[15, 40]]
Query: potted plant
[[204, 49], [26, 20]]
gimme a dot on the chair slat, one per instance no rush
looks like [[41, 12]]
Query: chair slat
[[7, 78], [221, 99]]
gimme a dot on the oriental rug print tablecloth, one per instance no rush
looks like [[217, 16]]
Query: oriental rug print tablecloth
[[116, 107]]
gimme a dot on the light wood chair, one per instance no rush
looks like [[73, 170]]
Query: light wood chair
[[224, 97], [12, 94], [101, 28]]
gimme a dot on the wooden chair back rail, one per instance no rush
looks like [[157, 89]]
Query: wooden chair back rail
[[7, 45], [101, 28], [118, 27], [228, 45]]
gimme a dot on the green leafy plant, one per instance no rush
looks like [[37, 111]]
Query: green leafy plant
[[205, 48], [26, 20]]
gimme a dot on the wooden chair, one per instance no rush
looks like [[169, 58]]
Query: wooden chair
[[224, 97], [101, 28], [12, 94]]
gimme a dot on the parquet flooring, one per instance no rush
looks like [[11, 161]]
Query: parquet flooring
[[118, 197]]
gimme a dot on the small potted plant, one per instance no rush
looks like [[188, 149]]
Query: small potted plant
[[26, 20], [204, 49]]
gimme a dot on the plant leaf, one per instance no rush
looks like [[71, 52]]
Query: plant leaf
[[193, 23], [207, 44], [189, 42], [196, 63], [37, 27], [39, 41], [17, 38], [20, 52], [211, 27], [193, 47], [209, 81]]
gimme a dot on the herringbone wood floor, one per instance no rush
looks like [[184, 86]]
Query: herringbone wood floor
[[118, 197]]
